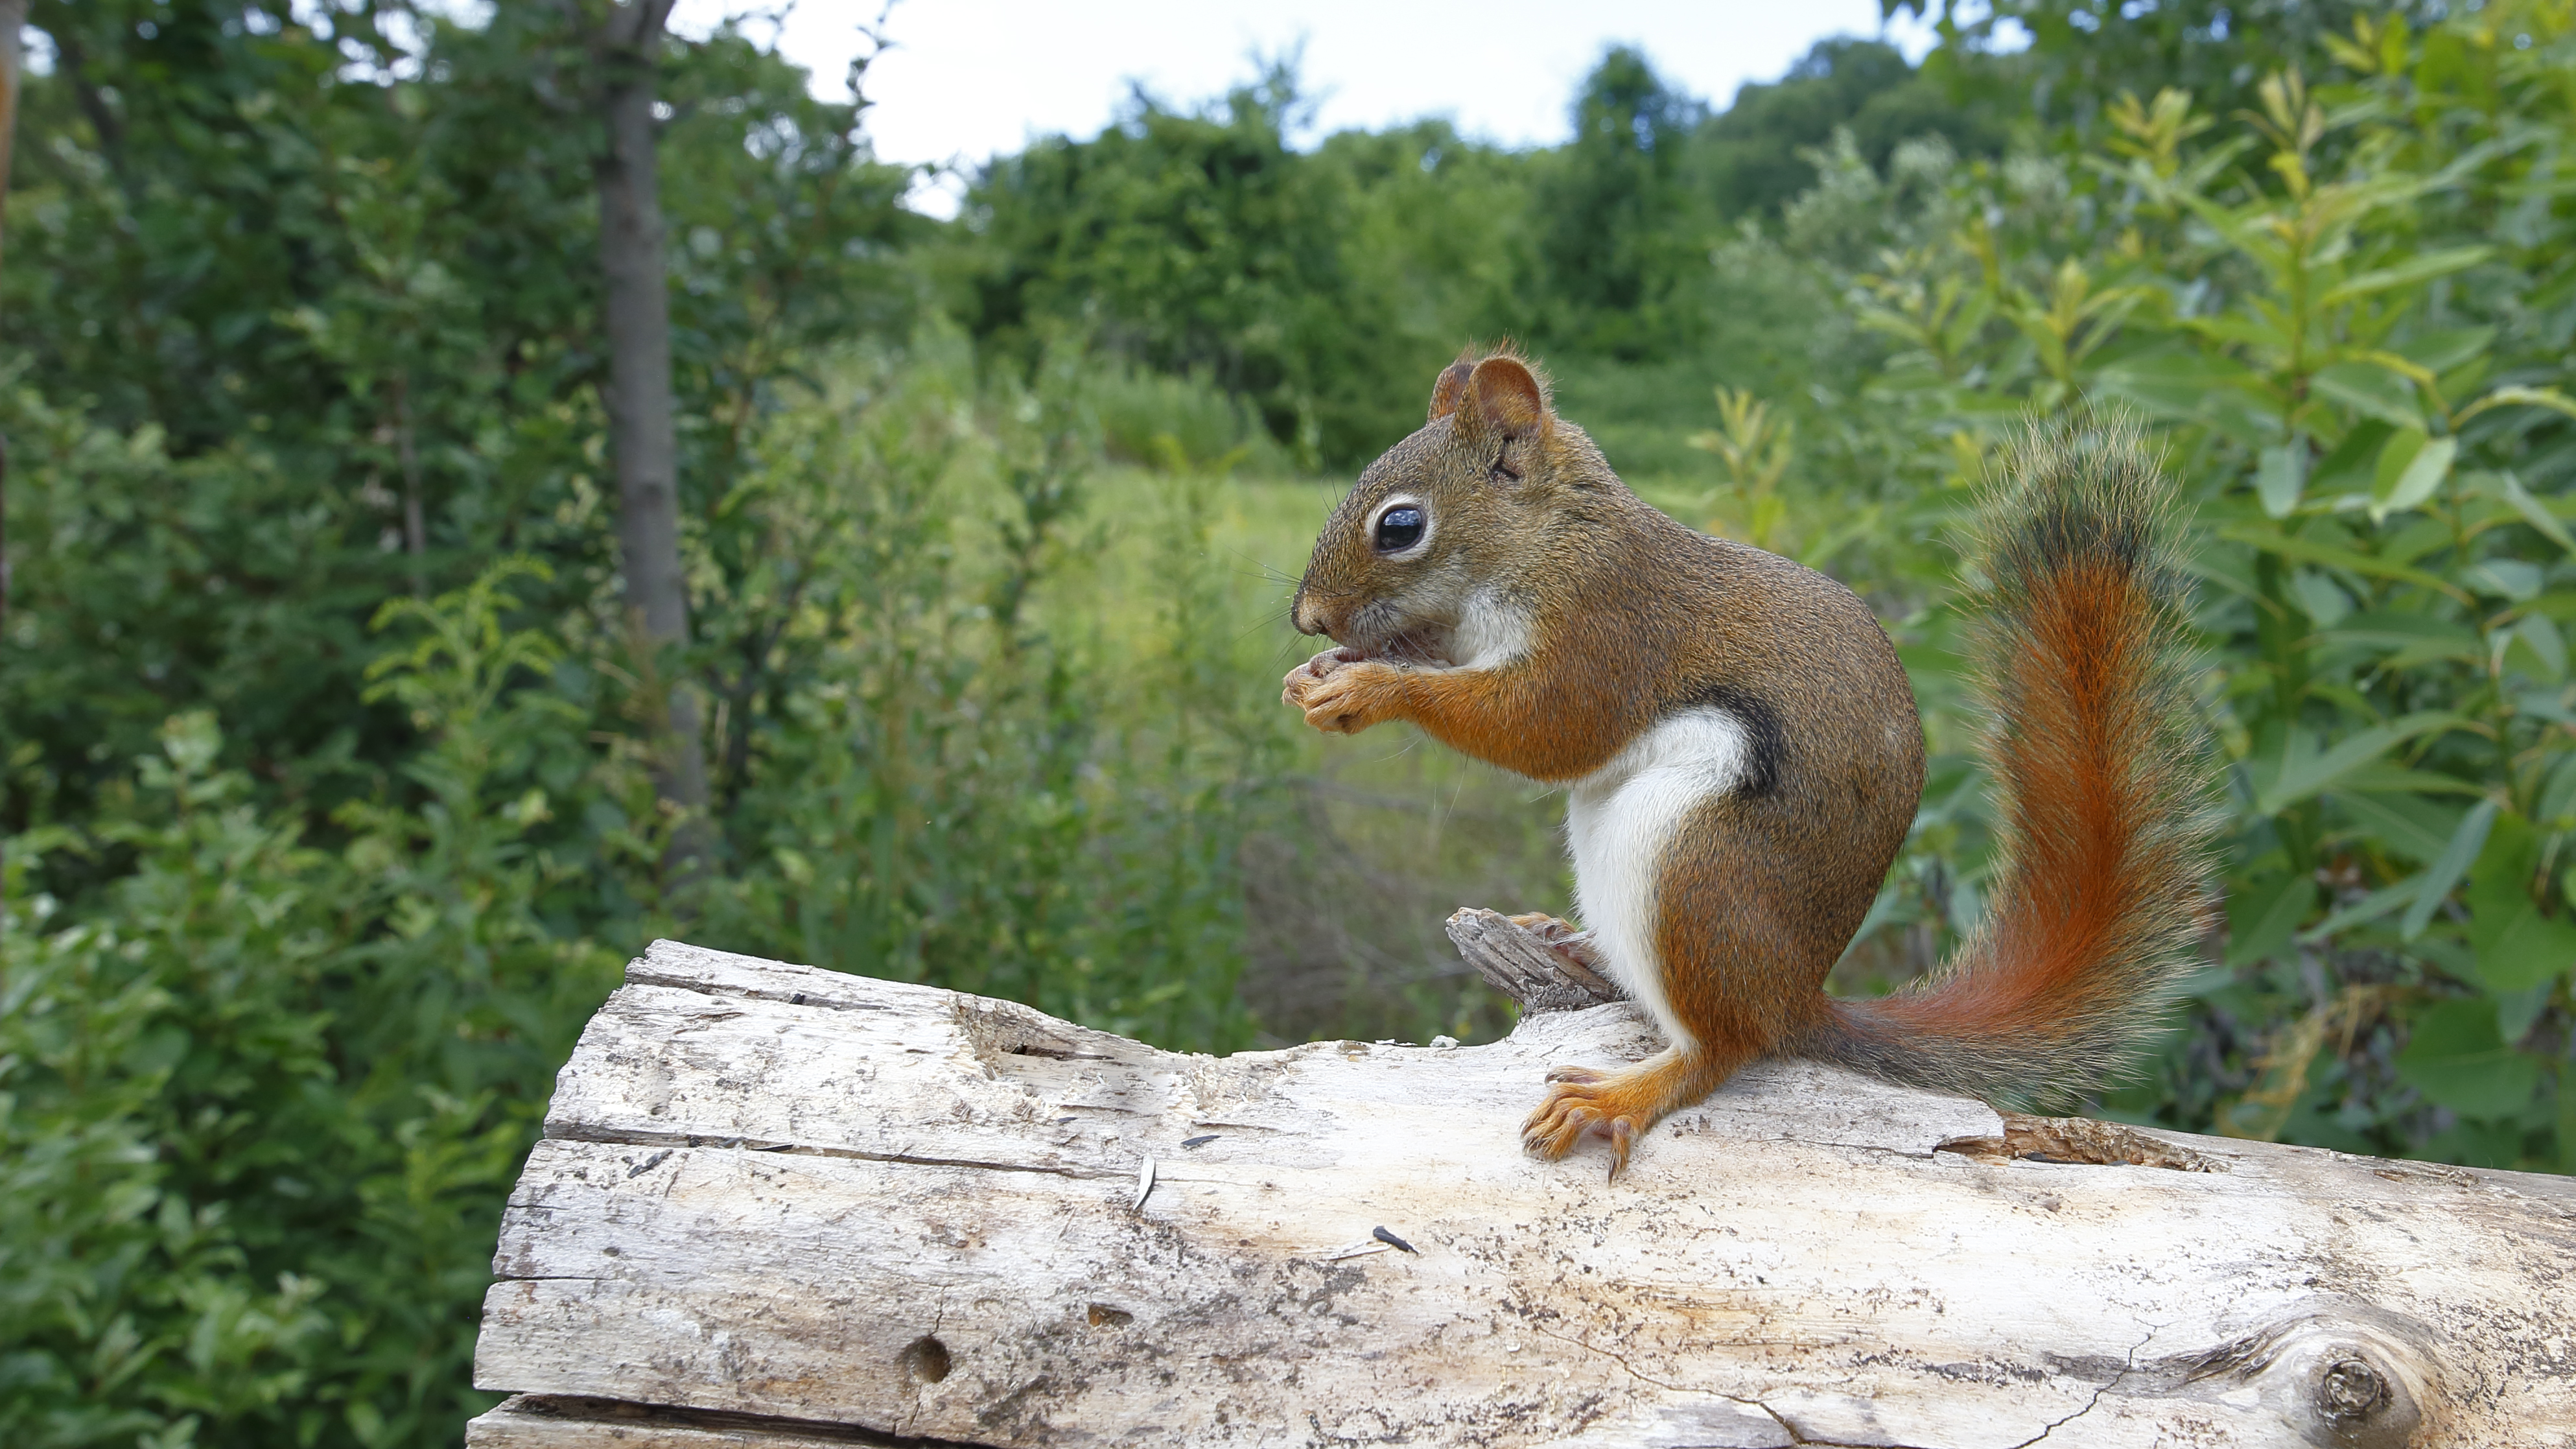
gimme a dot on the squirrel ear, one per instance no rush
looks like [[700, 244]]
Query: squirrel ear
[[1452, 386], [1507, 400]]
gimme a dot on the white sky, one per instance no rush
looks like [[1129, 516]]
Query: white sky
[[966, 79]]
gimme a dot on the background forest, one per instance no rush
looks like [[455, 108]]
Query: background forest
[[338, 781]]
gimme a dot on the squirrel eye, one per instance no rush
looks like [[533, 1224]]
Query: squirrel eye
[[1399, 529]]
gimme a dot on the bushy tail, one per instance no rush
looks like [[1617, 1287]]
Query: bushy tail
[[2101, 774]]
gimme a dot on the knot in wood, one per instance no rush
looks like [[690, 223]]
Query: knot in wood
[[2350, 1393]]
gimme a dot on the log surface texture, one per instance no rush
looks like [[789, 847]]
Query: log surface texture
[[778, 1206]]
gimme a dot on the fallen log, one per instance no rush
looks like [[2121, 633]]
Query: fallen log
[[778, 1206]]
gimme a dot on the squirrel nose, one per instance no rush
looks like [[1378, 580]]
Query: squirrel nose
[[1308, 618]]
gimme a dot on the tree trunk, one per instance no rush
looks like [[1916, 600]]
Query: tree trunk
[[13, 25], [640, 432], [785, 1207]]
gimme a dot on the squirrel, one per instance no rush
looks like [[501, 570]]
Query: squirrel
[[1743, 757]]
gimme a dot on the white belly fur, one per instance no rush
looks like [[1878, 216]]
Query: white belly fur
[[1618, 820]]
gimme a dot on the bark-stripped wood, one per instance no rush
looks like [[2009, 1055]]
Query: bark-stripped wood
[[1523, 967], [784, 1207]]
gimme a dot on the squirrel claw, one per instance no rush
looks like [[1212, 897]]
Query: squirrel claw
[[1583, 1102], [1623, 1135], [1553, 1129]]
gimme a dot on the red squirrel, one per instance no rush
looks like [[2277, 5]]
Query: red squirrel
[[1742, 755]]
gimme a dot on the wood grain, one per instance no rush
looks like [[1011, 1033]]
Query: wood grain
[[835, 1206]]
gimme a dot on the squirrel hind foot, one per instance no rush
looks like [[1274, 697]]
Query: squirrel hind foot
[[1619, 1106]]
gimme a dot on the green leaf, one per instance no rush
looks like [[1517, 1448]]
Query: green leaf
[[2538, 397], [2412, 826], [2416, 539], [2323, 600], [2506, 488], [2306, 551], [2445, 871], [2558, 794], [2279, 477], [2195, 386], [2420, 467], [2441, 351], [2422, 267], [2538, 636], [2517, 1010], [2509, 578], [2520, 947], [2517, 945], [2361, 912], [2390, 629], [2260, 920], [2371, 391], [2394, 456], [2349, 467], [2543, 704], [2458, 1059], [2305, 772]]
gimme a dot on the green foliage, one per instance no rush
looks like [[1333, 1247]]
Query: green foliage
[[261, 1104], [1204, 243], [286, 999], [2346, 307], [2082, 54], [1756, 151], [329, 816], [312, 318], [1611, 215], [1201, 240], [263, 1090]]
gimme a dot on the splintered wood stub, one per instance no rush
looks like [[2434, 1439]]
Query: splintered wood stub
[[1524, 966], [784, 1207]]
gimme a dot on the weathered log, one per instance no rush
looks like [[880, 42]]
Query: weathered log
[[779, 1206]]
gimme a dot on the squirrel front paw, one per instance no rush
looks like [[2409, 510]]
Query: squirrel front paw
[[1339, 692], [1565, 939], [1316, 668]]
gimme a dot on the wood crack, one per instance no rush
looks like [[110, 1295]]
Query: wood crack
[[722, 991], [2130, 1367], [621, 1418], [630, 1137]]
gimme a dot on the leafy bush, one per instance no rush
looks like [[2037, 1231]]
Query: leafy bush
[[261, 1106], [2347, 309]]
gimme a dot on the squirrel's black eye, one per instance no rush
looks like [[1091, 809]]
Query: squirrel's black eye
[[1399, 529]]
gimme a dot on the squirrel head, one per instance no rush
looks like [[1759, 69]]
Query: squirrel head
[[1429, 557]]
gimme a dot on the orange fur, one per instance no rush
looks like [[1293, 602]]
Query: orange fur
[[2104, 882]]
